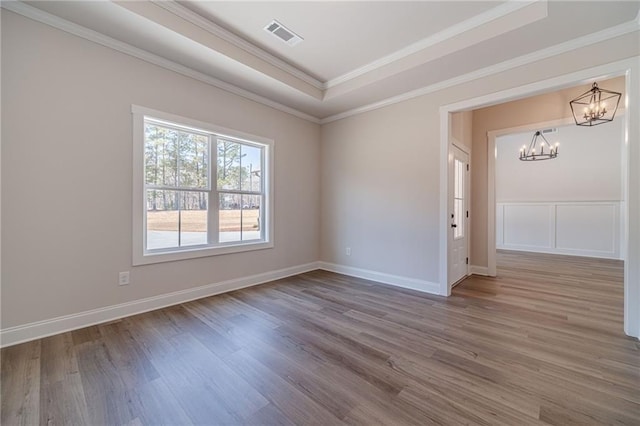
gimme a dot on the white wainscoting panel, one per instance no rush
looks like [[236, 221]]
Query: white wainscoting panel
[[590, 228], [587, 227], [528, 225], [499, 225]]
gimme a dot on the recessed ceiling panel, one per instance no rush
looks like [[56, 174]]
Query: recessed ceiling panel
[[338, 36]]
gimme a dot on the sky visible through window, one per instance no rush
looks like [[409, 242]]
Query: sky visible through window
[[178, 189]]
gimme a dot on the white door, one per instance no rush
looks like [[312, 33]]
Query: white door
[[458, 214]]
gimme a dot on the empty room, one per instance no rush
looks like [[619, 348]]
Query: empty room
[[320, 213]]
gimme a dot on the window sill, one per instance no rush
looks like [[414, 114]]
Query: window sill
[[197, 252]]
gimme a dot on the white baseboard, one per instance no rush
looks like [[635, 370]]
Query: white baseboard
[[568, 252], [36, 330], [479, 270], [396, 280]]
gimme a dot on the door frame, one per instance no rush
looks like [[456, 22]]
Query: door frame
[[467, 195], [630, 68]]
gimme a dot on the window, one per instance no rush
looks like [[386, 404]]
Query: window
[[199, 190], [458, 199]]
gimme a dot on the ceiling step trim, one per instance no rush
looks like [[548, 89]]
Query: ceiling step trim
[[470, 24], [558, 49], [101, 39], [192, 17], [88, 34]]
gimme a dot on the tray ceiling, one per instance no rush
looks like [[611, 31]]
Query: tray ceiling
[[353, 53]]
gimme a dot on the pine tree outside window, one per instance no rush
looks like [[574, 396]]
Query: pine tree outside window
[[199, 189]]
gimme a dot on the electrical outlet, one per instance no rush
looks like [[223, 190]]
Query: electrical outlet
[[348, 251], [123, 278]]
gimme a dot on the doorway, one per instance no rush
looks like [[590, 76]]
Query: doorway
[[629, 69]]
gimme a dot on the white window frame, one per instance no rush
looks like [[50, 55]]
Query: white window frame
[[142, 256]]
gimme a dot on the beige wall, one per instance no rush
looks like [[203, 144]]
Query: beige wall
[[369, 182], [536, 109], [67, 175], [380, 169], [462, 128], [379, 182]]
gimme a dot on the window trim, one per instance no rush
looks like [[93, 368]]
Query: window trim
[[142, 256]]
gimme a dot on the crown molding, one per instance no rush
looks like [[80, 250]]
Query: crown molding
[[472, 23], [96, 37], [83, 32], [192, 17], [558, 49]]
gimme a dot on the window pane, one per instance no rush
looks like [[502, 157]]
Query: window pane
[[229, 217], [458, 206], [160, 151], [458, 219], [182, 174], [251, 217], [458, 176], [251, 171], [175, 158], [229, 158], [193, 218], [194, 160], [162, 219]]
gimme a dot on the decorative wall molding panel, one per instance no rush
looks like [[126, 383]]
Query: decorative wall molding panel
[[588, 228]]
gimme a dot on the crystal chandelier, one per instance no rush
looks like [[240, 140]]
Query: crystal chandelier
[[595, 106], [539, 149]]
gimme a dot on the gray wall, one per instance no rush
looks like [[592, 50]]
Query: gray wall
[[381, 171], [67, 175], [369, 182]]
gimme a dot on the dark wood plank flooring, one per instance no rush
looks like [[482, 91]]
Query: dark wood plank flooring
[[540, 344]]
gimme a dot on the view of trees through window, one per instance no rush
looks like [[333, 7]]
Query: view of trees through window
[[179, 194], [239, 189]]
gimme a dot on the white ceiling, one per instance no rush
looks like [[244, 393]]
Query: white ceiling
[[354, 54], [338, 36]]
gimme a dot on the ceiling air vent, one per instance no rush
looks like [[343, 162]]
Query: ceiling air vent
[[283, 33], [547, 131]]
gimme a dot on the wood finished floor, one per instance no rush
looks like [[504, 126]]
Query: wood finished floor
[[540, 344]]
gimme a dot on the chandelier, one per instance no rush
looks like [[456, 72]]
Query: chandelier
[[539, 149], [595, 106]]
